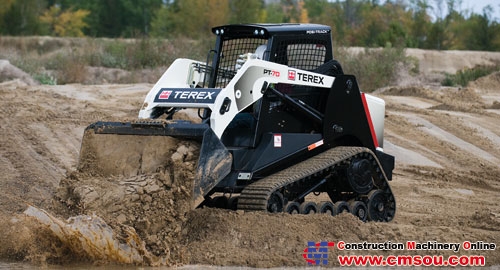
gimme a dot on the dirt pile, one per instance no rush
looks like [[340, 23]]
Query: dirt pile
[[128, 155], [10, 72], [145, 185], [490, 83]]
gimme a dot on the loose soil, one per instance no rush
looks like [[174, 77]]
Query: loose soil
[[447, 179]]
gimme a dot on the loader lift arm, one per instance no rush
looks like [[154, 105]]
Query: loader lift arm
[[299, 105]]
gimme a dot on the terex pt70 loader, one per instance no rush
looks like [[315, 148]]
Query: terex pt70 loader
[[278, 120]]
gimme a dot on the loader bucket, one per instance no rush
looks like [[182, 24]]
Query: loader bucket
[[188, 154]]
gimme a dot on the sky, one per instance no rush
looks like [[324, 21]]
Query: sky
[[476, 6]]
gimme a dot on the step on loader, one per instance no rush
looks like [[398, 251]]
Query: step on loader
[[277, 120]]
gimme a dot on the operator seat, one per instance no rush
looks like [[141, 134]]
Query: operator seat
[[260, 51]]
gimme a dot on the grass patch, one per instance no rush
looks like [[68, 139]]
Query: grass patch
[[67, 58], [45, 78], [463, 77], [375, 68], [53, 60]]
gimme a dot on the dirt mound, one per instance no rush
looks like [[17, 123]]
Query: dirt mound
[[432, 61], [145, 185], [490, 83], [495, 105], [10, 72], [448, 98]]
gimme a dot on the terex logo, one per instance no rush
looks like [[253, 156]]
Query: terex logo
[[165, 94], [310, 78], [187, 95], [291, 75], [193, 95]]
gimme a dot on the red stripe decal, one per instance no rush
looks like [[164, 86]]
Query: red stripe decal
[[314, 145], [369, 118]]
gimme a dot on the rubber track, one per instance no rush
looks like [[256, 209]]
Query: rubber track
[[255, 196]]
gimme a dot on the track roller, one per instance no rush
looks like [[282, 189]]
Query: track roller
[[275, 203], [326, 207], [232, 203], [381, 207], [292, 208], [359, 209], [307, 208], [359, 176], [340, 207], [219, 202]]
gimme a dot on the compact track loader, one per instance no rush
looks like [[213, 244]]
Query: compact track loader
[[278, 120]]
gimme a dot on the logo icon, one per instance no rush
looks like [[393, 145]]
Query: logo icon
[[317, 253], [165, 94], [291, 75]]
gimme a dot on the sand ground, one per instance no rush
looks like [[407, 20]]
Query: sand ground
[[447, 179]]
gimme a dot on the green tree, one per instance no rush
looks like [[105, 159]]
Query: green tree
[[138, 16], [455, 26], [4, 8], [274, 13], [246, 11], [22, 17], [303, 14], [163, 24], [114, 18], [372, 23], [190, 18], [435, 38], [398, 22], [495, 28], [421, 23], [480, 35], [315, 9]]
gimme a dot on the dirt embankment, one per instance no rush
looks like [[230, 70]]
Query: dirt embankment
[[447, 180]]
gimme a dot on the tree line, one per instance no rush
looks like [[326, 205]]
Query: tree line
[[367, 23]]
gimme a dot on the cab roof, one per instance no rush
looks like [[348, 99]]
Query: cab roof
[[267, 30]]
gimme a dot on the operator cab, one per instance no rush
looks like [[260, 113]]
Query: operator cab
[[302, 46], [306, 47]]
